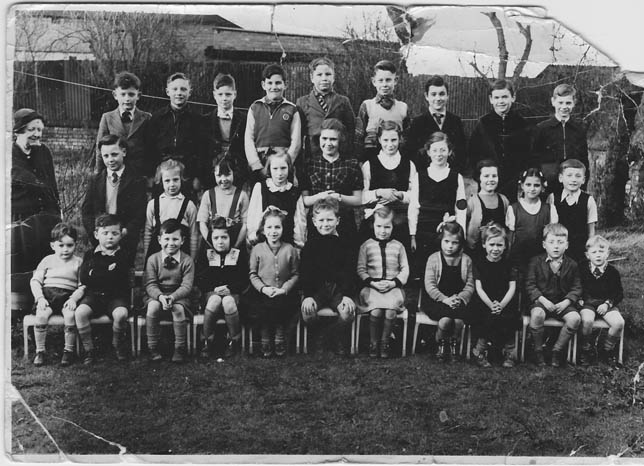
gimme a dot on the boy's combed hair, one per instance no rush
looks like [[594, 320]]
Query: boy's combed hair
[[493, 230], [383, 211], [170, 226], [275, 155], [572, 163], [436, 81], [126, 80], [328, 204], [168, 165], [110, 140], [222, 80], [384, 65], [564, 90], [273, 69], [452, 228], [555, 229], [485, 163], [63, 229], [597, 240], [336, 125], [499, 85], [389, 125], [107, 220], [175, 76], [438, 136], [321, 61]]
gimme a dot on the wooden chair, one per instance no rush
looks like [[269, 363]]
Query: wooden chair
[[549, 322], [355, 334]]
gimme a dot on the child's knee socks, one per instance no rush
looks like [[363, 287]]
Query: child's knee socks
[[386, 329], [153, 330], [40, 335], [70, 338], [564, 337], [279, 334], [180, 333], [118, 334], [537, 337], [232, 322], [374, 327], [610, 342], [85, 335]]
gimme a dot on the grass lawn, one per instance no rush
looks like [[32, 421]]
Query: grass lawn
[[323, 405]]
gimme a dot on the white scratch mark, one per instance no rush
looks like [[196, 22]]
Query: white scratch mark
[[122, 449], [14, 395]]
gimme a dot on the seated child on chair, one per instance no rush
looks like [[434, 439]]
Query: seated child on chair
[[495, 316], [56, 288], [602, 292], [105, 273], [383, 269], [553, 288], [274, 275], [169, 275], [326, 271], [450, 286], [221, 281]]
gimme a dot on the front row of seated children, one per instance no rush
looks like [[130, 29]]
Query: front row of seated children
[[555, 286]]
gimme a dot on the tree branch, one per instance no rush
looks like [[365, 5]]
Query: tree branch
[[503, 49], [474, 65], [527, 33]]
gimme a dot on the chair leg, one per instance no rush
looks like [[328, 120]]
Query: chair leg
[[413, 346], [523, 338], [25, 340], [516, 345], [355, 336], [404, 343], [469, 342], [305, 338], [243, 338], [621, 348], [133, 337]]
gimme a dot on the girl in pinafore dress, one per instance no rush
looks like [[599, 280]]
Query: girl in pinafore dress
[[389, 179], [449, 283], [441, 197], [486, 207], [383, 269]]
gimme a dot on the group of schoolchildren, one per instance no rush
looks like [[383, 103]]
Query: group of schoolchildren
[[293, 247]]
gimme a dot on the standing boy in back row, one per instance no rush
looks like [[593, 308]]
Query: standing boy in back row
[[273, 123]]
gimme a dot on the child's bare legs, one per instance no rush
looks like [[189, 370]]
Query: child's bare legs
[[213, 309], [180, 332], [448, 328], [346, 315], [375, 317], [267, 338], [387, 326], [119, 325], [571, 324], [231, 315], [82, 315], [40, 329], [615, 323]]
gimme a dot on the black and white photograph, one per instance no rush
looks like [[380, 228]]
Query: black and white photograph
[[324, 233]]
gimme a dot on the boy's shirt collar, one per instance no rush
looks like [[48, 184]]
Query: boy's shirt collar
[[176, 256], [562, 120], [571, 197], [121, 112], [164, 195], [225, 114], [107, 252], [119, 172], [273, 102]]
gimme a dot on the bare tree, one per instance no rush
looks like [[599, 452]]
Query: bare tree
[[504, 54]]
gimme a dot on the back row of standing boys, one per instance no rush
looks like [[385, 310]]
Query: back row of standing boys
[[299, 222]]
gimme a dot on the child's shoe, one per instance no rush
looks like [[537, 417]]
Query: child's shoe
[[179, 355], [39, 360], [385, 350], [481, 360], [539, 360], [155, 356], [233, 348], [508, 360], [67, 358], [556, 358], [373, 349], [205, 351], [89, 357], [266, 350], [280, 349], [442, 350], [453, 350]]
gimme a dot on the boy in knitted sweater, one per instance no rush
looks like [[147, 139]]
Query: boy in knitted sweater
[[602, 293], [169, 275], [56, 288]]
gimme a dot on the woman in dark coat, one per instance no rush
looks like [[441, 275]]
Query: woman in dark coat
[[34, 198]]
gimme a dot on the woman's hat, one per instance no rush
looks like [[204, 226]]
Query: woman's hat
[[23, 117]]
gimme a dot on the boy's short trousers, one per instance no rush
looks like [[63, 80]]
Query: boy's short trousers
[[56, 297], [554, 315], [593, 304], [103, 303], [328, 295]]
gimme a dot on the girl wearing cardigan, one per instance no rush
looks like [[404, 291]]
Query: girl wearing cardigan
[[450, 285]]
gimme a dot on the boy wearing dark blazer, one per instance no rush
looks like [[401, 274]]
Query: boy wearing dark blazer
[[437, 118], [126, 121], [225, 129], [117, 190]]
